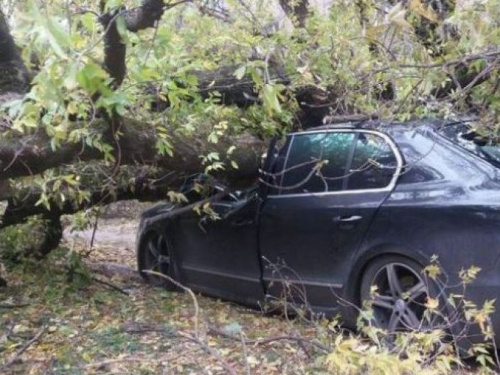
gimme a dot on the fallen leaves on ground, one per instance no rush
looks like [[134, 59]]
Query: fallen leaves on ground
[[86, 327]]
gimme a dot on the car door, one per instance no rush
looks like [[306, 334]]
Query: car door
[[332, 184], [220, 257]]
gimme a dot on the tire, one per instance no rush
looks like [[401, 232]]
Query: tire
[[401, 292], [155, 254]]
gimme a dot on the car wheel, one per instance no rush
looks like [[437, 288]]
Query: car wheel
[[397, 291], [154, 254]]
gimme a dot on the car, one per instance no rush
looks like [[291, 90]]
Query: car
[[341, 211]]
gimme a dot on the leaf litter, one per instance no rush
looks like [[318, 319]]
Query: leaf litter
[[54, 322]]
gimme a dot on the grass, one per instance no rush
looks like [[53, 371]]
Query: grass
[[91, 328]]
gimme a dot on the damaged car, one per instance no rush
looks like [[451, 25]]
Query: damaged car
[[342, 211]]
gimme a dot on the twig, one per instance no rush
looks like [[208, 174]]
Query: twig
[[210, 351], [12, 306], [299, 340], [187, 290], [293, 338], [304, 349], [99, 365], [112, 286], [94, 230], [16, 356], [245, 354], [197, 337]]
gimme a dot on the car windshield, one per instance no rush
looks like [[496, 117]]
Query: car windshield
[[467, 137]]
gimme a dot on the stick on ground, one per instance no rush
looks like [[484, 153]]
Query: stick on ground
[[16, 356]]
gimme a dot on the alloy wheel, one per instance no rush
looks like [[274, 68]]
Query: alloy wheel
[[398, 297]]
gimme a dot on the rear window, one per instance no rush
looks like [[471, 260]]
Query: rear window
[[464, 135], [373, 165]]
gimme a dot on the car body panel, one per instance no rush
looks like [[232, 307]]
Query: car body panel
[[446, 204], [219, 257], [303, 241]]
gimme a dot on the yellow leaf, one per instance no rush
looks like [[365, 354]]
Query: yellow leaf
[[86, 357], [432, 303], [426, 12]]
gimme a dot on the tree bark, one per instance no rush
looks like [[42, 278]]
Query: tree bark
[[115, 49], [14, 77], [296, 10], [32, 154], [18, 211]]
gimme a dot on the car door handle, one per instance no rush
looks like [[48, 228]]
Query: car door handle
[[242, 223], [347, 218]]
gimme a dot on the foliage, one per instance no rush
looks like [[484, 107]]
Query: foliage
[[19, 241]]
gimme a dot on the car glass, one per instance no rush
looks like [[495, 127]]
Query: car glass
[[464, 135], [373, 165], [317, 162]]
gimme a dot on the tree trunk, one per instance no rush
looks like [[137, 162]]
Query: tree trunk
[[296, 10], [14, 77], [32, 154]]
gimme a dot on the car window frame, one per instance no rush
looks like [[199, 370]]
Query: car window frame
[[397, 170]]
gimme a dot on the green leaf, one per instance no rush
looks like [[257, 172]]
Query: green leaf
[[92, 77], [88, 21], [121, 26], [58, 38], [270, 98], [240, 72], [113, 4]]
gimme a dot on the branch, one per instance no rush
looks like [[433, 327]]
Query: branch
[[13, 306], [30, 155], [149, 184], [140, 18], [115, 50], [267, 340], [23, 349], [112, 286], [146, 15]]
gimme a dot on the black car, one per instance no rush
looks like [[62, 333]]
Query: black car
[[339, 210]]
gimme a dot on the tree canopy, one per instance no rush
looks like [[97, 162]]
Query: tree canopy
[[121, 99]]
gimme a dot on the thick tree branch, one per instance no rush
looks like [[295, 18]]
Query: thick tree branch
[[115, 50], [31, 155], [18, 211], [145, 16]]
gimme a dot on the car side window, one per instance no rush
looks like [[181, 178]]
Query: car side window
[[317, 162], [373, 165]]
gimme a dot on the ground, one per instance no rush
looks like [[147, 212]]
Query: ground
[[85, 326], [63, 315]]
